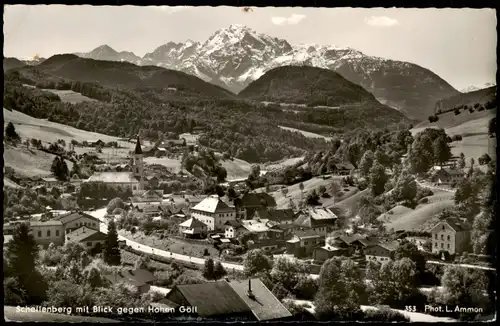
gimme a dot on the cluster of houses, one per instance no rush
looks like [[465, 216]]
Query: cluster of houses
[[73, 226]]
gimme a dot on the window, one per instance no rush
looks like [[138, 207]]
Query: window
[[89, 244], [443, 227], [48, 233], [448, 246], [39, 234], [436, 244], [442, 245], [442, 237], [57, 233], [93, 224], [436, 236]]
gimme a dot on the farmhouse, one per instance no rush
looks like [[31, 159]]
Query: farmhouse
[[323, 253], [213, 212], [193, 228], [139, 278], [343, 168], [148, 198], [251, 202], [264, 233], [95, 143], [303, 243], [90, 238], [320, 220], [381, 252], [446, 176], [134, 180], [281, 216], [451, 236], [233, 229]]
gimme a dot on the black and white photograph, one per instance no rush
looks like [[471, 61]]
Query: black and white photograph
[[249, 164]]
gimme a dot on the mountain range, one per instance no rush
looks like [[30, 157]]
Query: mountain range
[[235, 56]]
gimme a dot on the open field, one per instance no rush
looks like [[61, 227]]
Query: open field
[[350, 204], [281, 164], [236, 168], [68, 96], [420, 218], [47, 131], [29, 162], [306, 133], [11, 184], [172, 164], [472, 147], [450, 120]]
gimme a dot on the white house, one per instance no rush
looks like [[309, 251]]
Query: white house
[[381, 252], [213, 212], [451, 236]]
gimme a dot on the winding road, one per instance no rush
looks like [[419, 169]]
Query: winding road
[[100, 213]]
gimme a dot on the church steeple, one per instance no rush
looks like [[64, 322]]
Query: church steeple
[[138, 149]]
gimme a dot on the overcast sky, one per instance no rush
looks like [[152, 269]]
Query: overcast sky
[[457, 44]]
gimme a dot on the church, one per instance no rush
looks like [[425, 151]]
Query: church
[[134, 180]]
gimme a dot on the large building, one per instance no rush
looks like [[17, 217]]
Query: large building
[[213, 212], [320, 220], [451, 236], [134, 180]]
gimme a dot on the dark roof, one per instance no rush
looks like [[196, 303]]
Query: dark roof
[[276, 214], [350, 239], [452, 171], [254, 199], [264, 305], [233, 223], [306, 234], [85, 234], [212, 298], [456, 225], [138, 149], [315, 218], [74, 216]]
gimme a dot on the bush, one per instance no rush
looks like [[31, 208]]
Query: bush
[[384, 315], [423, 201], [457, 111], [280, 292]]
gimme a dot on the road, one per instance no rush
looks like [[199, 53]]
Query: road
[[100, 213], [461, 265]]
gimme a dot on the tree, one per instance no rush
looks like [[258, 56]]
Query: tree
[[463, 286], [114, 204], [340, 288], [287, 272], [208, 270], [492, 127], [256, 261], [301, 187], [409, 250], [484, 159], [366, 163], [21, 253], [10, 133], [461, 161], [378, 178], [112, 250], [405, 188], [219, 271], [441, 150], [59, 168], [312, 198]]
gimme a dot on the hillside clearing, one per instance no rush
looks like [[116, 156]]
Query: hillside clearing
[[173, 165], [236, 168], [70, 96], [306, 133], [282, 164], [450, 120], [47, 131], [29, 162], [420, 217]]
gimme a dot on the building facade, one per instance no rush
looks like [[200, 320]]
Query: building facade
[[213, 212], [450, 236]]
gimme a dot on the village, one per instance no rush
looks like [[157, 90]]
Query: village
[[189, 228]]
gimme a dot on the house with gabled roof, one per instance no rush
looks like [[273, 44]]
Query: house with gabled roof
[[450, 235], [248, 300], [193, 228], [233, 229], [446, 176], [88, 237], [320, 220], [140, 278], [251, 202], [148, 198], [213, 212], [381, 251], [303, 242], [281, 216], [343, 168]]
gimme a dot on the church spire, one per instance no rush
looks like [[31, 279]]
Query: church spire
[[138, 149]]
